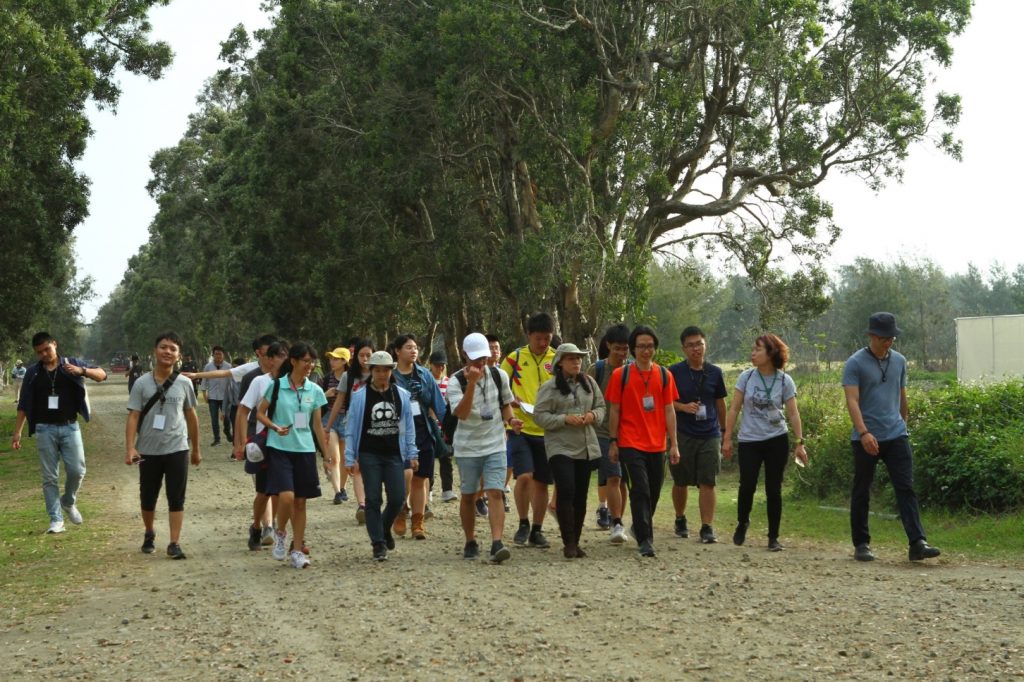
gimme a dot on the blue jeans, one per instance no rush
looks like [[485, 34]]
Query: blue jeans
[[899, 461], [387, 471], [56, 443]]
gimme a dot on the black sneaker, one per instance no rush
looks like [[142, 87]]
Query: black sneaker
[[538, 540], [739, 536], [389, 540], [174, 551], [471, 551], [774, 545], [215, 443], [499, 552], [380, 551], [707, 535], [147, 543], [647, 549], [481, 508], [604, 518], [522, 535], [255, 538], [681, 530]]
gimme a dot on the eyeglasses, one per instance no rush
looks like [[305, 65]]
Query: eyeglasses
[[644, 346], [695, 344]]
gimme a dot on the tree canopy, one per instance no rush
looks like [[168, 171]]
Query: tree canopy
[[441, 167], [54, 58]]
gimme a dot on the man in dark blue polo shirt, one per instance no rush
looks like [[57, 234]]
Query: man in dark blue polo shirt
[[700, 420], [52, 397]]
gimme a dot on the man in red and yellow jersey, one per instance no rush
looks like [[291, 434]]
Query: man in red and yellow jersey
[[529, 367]]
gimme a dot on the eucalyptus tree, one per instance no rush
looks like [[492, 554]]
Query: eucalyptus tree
[[54, 58]]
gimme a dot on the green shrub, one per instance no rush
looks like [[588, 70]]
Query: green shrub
[[968, 444]]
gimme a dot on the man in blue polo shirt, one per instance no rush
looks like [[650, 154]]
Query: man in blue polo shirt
[[700, 420], [875, 383]]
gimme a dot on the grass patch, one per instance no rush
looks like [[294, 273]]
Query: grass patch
[[38, 570], [960, 535]]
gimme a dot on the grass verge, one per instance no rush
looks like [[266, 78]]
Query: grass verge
[[38, 571], [962, 536]]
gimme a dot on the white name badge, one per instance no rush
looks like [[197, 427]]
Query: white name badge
[[702, 413], [416, 408], [52, 402], [159, 420], [300, 420], [648, 403]]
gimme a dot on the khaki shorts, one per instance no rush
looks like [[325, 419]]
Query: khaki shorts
[[700, 461]]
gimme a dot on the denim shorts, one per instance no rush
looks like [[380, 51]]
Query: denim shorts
[[700, 461], [293, 471], [339, 424], [605, 467], [491, 467], [528, 456], [425, 446]]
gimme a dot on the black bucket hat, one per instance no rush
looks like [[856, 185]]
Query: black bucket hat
[[883, 325]]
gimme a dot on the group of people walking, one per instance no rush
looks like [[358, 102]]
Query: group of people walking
[[537, 415]]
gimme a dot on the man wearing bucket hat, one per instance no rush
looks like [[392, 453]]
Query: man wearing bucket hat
[[481, 399], [380, 438], [875, 383]]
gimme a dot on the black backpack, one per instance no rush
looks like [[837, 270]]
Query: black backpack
[[451, 422]]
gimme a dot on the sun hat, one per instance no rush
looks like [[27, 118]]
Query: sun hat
[[340, 353], [381, 358], [883, 325], [475, 346], [568, 349]]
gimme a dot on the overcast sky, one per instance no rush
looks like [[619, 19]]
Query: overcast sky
[[953, 213]]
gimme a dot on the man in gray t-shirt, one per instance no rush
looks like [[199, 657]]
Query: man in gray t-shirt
[[159, 440], [875, 384]]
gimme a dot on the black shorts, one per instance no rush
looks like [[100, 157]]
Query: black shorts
[[171, 471], [293, 472], [528, 456]]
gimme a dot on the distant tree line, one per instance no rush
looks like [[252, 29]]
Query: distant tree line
[[925, 300]]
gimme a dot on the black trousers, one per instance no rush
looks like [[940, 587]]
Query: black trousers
[[572, 481], [773, 454], [644, 473], [899, 460]]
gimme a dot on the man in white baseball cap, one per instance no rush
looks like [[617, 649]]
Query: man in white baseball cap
[[481, 399]]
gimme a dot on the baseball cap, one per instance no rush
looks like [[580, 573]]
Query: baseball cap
[[475, 346]]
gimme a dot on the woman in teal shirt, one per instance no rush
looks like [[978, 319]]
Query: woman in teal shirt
[[291, 450]]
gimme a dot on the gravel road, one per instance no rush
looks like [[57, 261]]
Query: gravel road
[[695, 612]]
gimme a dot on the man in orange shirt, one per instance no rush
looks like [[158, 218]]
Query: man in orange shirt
[[641, 416]]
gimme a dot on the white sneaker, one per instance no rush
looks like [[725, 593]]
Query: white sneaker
[[280, 551], [55, 527], [73, 514], [449, 496], [299, 560], [618, 535]]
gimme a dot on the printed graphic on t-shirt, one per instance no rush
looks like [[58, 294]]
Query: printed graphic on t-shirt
[[764, 405], [383, 419]]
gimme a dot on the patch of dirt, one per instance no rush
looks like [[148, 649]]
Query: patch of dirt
[[695, 612]]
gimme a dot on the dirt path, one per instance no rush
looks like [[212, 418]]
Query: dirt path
[[696, 612]]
